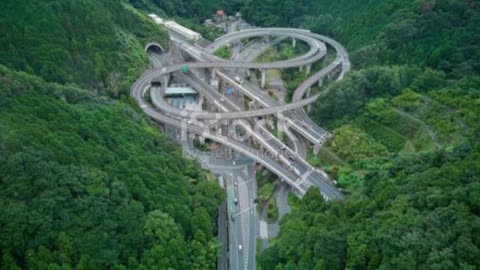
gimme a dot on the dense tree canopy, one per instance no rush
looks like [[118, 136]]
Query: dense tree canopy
[[89, 183], [441, 34], [405, 147], [96, 44]]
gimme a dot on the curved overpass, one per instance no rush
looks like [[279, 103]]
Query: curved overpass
[[159, 102], [300, 173]]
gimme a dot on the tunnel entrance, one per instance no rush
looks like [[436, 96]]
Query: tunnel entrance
[[154, 47]]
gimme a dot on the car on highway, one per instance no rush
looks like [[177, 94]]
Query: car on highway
[[240, 248], [238, 80], [235, 201]]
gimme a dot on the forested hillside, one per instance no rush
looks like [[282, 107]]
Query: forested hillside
[[406, 126], [95, 44], [440, 34], [86, 181]]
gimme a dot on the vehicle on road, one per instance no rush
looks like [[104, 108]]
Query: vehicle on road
[[238, 80]]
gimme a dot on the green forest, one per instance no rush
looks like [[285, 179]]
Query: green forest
[[406, 123], [88, 182], [94, 44]]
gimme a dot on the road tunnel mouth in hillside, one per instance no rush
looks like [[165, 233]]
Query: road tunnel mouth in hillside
[[154, 47]]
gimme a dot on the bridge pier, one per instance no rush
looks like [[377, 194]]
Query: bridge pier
[[294, 42], [309, 107], [320, 82], [264, 77], [316, 148], [248, 72], [309, 69], [251, 105], [165, 82], [214, 74], [300, 68]]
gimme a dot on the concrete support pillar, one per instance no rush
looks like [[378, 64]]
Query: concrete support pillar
[[294, 42], [165, 81], [300, 68], [251, 105], [224, 129], [264, 77], [309, 107], [214, 74], [201, 139], [316, 149], [309, 69], [248, 72], [320, 82]]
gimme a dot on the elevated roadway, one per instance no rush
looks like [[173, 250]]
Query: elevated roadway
[[285, 163]]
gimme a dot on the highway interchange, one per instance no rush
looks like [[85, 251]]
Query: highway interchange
[[262, 147]]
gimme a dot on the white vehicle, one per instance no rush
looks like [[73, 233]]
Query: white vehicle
[[235, 201], [238, 80], [234, 163], [240, 248]]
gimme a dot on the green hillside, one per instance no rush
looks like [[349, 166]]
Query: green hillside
[[439, 34], [405, 146], [95, 44], [89, 183]]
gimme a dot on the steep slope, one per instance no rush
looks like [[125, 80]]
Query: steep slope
[[406, 140], [87, 182], [440, 34], [96, 44]]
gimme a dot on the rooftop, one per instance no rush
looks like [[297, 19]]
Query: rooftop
[[172, 91]]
